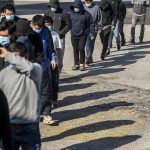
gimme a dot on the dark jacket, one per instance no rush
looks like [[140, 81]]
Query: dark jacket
[[115, 4], [48, 47], [80, 21], [5, 130], [94, 10], [106, 13], [61, 19], [122, 11]]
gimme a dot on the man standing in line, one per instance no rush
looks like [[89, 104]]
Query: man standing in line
[[139, 15], [94, 10], [61, 21]]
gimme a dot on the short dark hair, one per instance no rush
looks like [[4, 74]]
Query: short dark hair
[[2, 10], [48, 19], [38, 20], [10, 7], [19, 47], [8, 25]]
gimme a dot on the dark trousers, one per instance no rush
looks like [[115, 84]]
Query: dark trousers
[[104, 36], [54, 78], [26, 136], [46, 92], [123, 41], [78, 44]]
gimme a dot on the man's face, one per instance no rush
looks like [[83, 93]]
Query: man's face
[[9, 13], [48, 24], [88, 1], [34, 26]]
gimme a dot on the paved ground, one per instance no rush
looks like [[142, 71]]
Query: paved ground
[[106, 107]]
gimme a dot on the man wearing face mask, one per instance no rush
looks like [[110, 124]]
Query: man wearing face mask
[[10, 13], [61, 20], [7, 29], [94, 10]]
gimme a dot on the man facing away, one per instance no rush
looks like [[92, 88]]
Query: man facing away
[[21, 82]]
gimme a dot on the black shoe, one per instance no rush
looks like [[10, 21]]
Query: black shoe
[[108, 52], [123, 43], [131, 41], [118, 47], [141, 40], [103, 57]]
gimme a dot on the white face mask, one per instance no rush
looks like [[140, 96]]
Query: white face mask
[[50, 28], [76, 10], [53, 9], [37, 30], [88, 4]]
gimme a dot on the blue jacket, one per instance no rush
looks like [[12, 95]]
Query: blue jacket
[[48, 47], [80, 21]]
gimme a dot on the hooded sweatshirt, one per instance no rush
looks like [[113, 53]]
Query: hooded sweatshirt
[[107, 13], [61, 19], [81, 21], [94, 10], [23, 90]]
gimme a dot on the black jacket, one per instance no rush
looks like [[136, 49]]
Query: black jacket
[[106, 13], [122, 11], [5, 130], [115, 5], [80, 21], [61, 19]]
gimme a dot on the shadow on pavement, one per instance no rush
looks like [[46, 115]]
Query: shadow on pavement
[[87, 111], [73, 87], [107, 143], [91, 128], [88, 97]]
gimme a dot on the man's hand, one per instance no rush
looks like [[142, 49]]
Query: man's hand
[[3, 52], [54, 64]]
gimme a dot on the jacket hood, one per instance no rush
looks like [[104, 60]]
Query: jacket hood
[[54, 3], [104, 4], [77, 4]]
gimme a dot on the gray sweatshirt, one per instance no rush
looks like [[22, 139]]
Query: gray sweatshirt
[[21, 82], [94, 10], [140, 6]]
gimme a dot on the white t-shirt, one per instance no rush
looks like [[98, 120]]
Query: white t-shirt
[[56, 40]]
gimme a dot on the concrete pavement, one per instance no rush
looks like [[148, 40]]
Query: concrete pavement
[[106, 107]]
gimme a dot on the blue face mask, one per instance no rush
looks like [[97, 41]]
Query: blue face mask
[[4, 41], [37, 30], [10, 18], [76, 10], [53, 9]]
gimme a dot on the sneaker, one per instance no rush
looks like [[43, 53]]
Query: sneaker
[[103, 57], [75, 67], [55, 104], [48, 120], [141, 40], [108, 52], [118, 47], [131, 41], [82, 67]]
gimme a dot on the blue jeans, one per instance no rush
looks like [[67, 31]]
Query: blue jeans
[[26, 136], [90, 43], [116, 34]]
